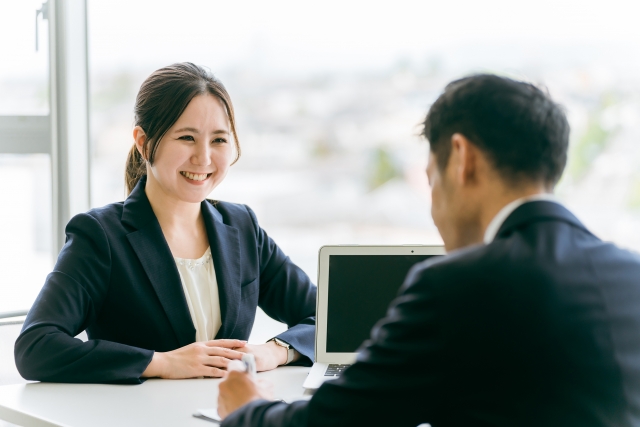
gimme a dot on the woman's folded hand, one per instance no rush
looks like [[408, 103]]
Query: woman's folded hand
[[200, 359], [268, 356]]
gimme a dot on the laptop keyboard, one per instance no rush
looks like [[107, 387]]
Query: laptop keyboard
[[334, 370]]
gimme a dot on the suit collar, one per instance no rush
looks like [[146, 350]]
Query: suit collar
[[542, 210], [492, 229], [149, 244]]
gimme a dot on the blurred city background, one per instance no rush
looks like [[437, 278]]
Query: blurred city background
[[329, 98]]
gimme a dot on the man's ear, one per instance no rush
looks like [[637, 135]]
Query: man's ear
[[140, 138], [465, 159]]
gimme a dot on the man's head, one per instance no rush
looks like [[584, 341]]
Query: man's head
[[492, 140]]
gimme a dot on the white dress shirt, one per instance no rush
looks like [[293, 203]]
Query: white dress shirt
[[499, 219], [201, 291]]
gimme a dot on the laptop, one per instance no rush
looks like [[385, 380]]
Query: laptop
[[356, 284]]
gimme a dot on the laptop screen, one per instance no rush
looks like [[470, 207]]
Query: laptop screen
[[361, 287]]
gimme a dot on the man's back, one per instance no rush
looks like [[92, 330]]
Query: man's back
[[540, 327], [543, 324]]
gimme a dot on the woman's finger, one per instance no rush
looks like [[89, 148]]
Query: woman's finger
[[226, 343], [215, 372], [217, 361], [225, 352]]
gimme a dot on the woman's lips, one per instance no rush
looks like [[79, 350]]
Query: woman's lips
[[195, 178]]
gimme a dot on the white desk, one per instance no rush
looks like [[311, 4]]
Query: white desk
[[155, 403]]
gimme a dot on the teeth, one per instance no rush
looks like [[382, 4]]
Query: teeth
[[195, 177]]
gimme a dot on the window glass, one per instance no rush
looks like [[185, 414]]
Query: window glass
[[24, 81], [25, 228], [25, 180], [330, 97]]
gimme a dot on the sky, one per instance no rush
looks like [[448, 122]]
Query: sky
[[302, 37]]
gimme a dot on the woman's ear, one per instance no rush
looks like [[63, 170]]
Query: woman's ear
[[140, 138]]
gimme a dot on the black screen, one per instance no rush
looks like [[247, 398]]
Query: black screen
[[361, 287]]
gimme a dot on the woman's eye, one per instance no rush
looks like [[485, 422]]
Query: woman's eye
[[186, 138], [220, 140]]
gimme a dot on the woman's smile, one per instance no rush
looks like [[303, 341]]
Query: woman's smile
[[195, 178]]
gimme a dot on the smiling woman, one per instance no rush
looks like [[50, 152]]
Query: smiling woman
[[167, 283], [166, 106], [195, 153]]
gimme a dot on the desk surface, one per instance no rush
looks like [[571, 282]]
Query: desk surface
[[153, 403]]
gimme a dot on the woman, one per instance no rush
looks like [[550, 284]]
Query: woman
[[167, 283]]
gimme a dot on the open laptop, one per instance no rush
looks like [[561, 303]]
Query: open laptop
[[356, 284]]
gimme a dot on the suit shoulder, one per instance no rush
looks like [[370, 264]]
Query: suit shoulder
[[453, 272], [452, 262], [606, 252], [107, 217], [107, 213]]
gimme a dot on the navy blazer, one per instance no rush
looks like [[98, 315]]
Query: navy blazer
[[116, 278], [541, 327]]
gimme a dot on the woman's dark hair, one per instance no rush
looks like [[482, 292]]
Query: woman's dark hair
[[520, 129], [162, 99]]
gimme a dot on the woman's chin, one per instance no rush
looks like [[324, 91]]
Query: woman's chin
[[194, 198], [196, 195]]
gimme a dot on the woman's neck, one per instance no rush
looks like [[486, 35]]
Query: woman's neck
[[171, 212], [181, 222]]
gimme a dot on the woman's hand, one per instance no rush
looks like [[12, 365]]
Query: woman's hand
[[200, 359], [268, 356]]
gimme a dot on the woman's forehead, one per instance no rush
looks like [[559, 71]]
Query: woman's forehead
[[204, 113]]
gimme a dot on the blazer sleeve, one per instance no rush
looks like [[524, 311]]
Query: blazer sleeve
[[399, 375], [286, 295], [70, 300]]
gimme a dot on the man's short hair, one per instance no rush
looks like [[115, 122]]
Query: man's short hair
[[523, 133]]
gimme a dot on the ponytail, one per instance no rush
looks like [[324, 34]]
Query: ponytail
[[135, 169]]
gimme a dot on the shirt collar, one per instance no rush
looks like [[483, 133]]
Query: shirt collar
[[498, 220]]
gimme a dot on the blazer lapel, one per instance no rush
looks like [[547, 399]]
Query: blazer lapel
[[150, 246], [225, 252]]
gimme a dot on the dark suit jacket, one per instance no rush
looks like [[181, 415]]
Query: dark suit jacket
[[539, 328], [116, 278]]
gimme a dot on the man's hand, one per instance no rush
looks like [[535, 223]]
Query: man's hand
[[238, 389], [199, 359]]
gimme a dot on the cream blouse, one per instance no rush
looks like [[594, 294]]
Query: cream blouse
[[201, 291]]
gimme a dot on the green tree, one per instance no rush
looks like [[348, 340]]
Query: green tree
[[383, 169]]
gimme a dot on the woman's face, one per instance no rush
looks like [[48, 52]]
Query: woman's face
[[194, 155]]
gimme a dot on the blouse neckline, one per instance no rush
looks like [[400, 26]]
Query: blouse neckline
[[193, 263]]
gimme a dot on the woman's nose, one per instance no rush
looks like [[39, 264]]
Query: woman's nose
[[202, 156]]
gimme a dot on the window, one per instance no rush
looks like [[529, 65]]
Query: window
[[24, 72], [25, 228], [329, 98], [25, 168]]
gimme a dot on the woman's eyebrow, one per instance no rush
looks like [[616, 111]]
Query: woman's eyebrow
[[194, 130], [188, 129]]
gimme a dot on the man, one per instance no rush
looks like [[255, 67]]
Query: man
[[530, 320]]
